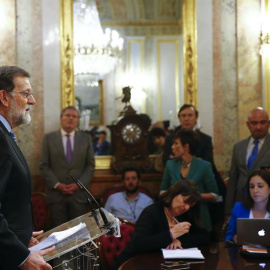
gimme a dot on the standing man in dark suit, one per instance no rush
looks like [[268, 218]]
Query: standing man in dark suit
[[16, 218], [67, 152], [188, 117], [248, 155]]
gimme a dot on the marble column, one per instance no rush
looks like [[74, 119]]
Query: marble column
[[8, 32], [30, 57]]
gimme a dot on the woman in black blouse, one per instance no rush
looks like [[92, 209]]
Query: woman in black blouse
[[173, 222]]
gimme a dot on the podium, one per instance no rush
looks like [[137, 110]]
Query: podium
[[79, 251]]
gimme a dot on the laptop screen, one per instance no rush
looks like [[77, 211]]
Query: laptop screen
[[253, 231]]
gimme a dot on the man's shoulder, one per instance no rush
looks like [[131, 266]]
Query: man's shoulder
[[116, 195], [52, 133], [204, 136], [145, 196], [242, 142]]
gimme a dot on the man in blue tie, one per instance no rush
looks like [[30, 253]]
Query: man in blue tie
[[248, 155], [16, 218], [67, 152]]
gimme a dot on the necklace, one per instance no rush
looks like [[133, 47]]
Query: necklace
[[185, 165]]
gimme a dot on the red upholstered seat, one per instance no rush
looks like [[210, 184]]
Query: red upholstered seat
[[40, 211], [111, 246]]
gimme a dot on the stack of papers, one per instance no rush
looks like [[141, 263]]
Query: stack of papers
[[254, 249], [188, 253], [57, 237]]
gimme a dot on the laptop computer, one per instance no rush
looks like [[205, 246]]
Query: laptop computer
[[253, 231]]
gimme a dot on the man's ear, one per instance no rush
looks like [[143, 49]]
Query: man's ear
[[3, 98]]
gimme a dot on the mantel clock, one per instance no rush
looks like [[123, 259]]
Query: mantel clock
[[129, 140]]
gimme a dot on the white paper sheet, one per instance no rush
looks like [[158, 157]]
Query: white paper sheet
[[56, 237], [188, 253]]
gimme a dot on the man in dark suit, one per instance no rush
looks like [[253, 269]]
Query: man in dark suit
[[243, 159], [188, 117], [16, 218], [67, 152]]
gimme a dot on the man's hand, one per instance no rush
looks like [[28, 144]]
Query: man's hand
[[67, 189], [33, 240], [72, 188], [35, 260]]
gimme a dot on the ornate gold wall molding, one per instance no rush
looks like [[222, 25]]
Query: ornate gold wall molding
[[67, 52], [190, 51]]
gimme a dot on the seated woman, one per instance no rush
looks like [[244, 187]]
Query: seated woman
[[172, 222], [187, 166], [256, 203]]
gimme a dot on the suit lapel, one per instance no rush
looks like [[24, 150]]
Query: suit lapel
[[265, 147], [243, 152], [77, 141], [16, 149], [59, 144]]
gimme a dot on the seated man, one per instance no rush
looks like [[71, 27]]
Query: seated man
[[128, 204]]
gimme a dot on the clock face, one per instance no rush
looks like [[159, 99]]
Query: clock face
[[131, 133]]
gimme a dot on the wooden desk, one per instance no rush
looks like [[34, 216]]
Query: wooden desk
[[222, 259]]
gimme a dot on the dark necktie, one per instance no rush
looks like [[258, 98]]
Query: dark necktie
[[253, 154], [68, 149], [13, 137]]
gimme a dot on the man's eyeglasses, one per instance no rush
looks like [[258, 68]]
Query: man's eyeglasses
[[27, 94]]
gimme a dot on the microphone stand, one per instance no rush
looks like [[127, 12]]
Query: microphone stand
[[89, 197]]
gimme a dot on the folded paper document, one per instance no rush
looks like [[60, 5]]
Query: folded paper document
[[57, 237], [188, 253]]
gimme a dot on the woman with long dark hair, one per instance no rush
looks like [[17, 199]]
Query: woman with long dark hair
[[255, 204]]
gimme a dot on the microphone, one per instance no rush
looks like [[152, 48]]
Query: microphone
[[89, 196]]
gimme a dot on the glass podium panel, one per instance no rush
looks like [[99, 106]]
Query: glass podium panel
[[82, 240]]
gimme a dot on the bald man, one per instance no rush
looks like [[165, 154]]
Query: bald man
[[248, 155]]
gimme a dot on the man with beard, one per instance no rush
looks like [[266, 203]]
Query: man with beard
[[128, 204], [16, 218]]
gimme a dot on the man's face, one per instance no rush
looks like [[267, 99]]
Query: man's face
[[258, 124], [188, 118], [69, 120], [131, 182], [19, 112]]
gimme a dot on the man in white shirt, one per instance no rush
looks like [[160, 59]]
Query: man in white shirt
[[67, 152], [248, 155], [128, 204]]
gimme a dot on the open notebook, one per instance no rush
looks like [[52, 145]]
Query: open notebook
[[188, 253]]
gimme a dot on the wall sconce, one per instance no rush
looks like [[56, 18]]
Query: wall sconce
[[265, 44], [265, 29]]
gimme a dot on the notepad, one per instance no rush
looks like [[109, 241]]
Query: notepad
[[57, 237], [188, 253]]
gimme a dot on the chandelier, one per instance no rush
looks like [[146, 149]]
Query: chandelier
[[96, 52]]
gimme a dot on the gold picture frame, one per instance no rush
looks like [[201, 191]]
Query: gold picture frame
[[189, 52]]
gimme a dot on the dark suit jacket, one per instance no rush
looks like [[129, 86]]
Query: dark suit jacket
[[239, 172], [16, 220], [152, 233], [54, 166]]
